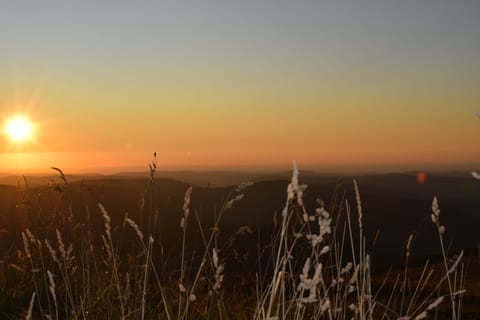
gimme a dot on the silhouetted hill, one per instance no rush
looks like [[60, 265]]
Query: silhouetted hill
[[394, 205]]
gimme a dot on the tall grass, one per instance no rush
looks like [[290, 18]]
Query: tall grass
[[318, 267]]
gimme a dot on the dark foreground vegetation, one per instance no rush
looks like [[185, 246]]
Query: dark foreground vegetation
[[155, 248]]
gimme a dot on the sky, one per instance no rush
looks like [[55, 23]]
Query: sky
[[384, 85]]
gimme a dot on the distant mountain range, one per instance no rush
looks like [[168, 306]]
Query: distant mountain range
[[394, 205]]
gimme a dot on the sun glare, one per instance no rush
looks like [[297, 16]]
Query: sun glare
[[19, 129]]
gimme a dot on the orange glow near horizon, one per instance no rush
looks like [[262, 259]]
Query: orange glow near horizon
[[123, 161], [323, 140], [187, 138]]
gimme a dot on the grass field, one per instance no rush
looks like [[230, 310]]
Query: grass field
[[88, 263]]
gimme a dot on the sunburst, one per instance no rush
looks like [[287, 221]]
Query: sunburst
[[19, 129]]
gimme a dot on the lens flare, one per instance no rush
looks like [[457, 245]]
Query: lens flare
[[421, 177]]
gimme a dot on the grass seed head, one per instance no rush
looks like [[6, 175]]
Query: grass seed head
[[26, 247]]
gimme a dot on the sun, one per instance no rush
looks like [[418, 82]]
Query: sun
[[19, 129]]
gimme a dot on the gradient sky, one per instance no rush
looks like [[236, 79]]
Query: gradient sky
[[242, 84]]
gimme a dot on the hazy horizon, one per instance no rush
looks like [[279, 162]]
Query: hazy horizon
[[97, 163]]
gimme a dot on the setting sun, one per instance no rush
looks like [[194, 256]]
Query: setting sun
[[19, 129]]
